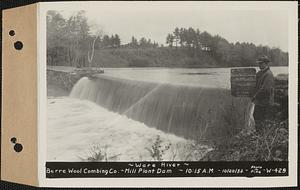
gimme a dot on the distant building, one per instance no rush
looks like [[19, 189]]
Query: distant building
[[205, 48]]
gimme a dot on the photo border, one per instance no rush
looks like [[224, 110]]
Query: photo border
[[290, 180]]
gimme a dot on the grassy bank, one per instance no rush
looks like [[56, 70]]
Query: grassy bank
[[271, 144], [163, 57], [155, 57]]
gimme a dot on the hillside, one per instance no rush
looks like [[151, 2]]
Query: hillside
[[164, 57], [151, 57], [70, 43]]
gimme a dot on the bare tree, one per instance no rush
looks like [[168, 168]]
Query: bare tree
[[98, 34]]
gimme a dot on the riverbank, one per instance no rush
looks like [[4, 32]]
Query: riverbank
[[170, 58], [271, 144]]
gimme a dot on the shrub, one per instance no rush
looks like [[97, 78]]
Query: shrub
[[271, 144], [157, 150], [97, 153]]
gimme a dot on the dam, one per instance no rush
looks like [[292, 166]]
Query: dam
[[123, 113], [191, 112]]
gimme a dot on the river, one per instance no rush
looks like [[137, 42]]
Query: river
[[127, 113], [209, 77]]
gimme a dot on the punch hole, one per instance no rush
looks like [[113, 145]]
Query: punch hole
[[18, 45], [13, 140], [11, 33], [18, 147]]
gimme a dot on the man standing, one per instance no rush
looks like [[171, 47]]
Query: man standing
[[263, 97]]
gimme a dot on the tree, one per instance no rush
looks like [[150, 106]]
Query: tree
[[134, 42], [220, 50], [105, 41], [143, 42], [176, 36], [91, 52], [112, 41], [170, 40], [78, 39], [190, 37], [205, 39], [56, 37], [67, 40], [117, 41]]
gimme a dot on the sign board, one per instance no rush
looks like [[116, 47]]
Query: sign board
[[243, 82]]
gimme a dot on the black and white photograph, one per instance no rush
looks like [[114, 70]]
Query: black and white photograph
[[157, 94], [167, 81]]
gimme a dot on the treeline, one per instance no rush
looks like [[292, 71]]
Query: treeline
[[71, 43], [114, 41], [107, 41], [141, 43], [225, 53], [68, 40]]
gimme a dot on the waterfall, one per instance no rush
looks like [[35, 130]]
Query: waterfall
[[192, 112]]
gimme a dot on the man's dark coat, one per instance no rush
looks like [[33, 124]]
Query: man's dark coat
[[264, 90]]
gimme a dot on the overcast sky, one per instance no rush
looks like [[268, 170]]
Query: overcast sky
[[264, 25]]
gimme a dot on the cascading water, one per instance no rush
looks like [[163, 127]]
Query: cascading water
[[188, 111]]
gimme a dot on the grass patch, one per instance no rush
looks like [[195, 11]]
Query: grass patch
[[98, 153], [271, 144]]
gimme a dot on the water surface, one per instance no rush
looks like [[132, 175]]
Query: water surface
[[205, 77]]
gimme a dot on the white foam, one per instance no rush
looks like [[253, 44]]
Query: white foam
[[77, 128]]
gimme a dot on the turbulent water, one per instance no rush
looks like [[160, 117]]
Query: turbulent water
[[79, 130]]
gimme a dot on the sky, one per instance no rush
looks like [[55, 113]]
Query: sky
[[261, 25]]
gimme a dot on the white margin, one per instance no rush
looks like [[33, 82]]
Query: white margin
[[291, 180]]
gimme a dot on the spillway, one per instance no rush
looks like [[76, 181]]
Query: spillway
[[192, 112]]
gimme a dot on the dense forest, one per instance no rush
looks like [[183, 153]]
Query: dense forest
[[71, 42]]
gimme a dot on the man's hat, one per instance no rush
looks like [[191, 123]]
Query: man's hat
[[263, 59]]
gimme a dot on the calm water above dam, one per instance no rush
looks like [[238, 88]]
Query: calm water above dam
[[206, 77]]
